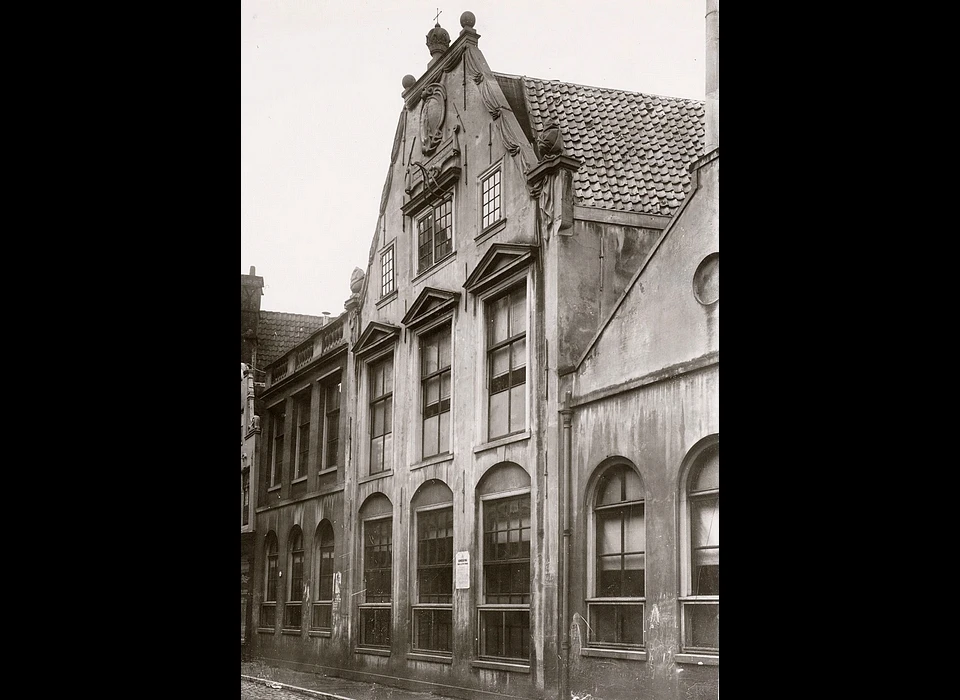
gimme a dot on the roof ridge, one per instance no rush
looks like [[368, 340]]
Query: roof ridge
[[291, 313], [599, 87]]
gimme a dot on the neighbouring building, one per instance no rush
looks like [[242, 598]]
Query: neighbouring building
[[264, 336], [524, 498]]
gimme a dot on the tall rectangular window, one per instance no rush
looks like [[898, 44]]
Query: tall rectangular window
[[505, 612], [331, 424], [381, 415], [278, 417], [433, 613], [268, 610], [435, 391], [506, 363], [377, 583], [245, 499], [615, 610], [435, 235], [700, 606], [323, 605], [293, 610], [490, 209], [387, 280], [302, 447]]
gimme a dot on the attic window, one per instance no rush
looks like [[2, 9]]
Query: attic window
[[491, 211], [435, 234]]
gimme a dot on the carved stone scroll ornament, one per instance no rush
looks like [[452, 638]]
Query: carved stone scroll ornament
[[433, 111]]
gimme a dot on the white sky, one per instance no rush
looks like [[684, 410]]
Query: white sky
[[320, 86]]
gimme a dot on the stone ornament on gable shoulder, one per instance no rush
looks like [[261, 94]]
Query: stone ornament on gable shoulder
[[550, 141], [433, 112]]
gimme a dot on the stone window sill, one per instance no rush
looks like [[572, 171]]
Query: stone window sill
[[630, 654], [415, 656], [374, 477], [697, 659], [372, 652], [436, 459], [502, 441], [501, 666]]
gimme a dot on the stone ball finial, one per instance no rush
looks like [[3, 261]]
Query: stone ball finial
[[468, 19], [408, 81], [356, 280], [438, 40]]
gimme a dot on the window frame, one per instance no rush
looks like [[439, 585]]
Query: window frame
[[688, 600], [445, 325], [386, 466], [503, 609], [324, 556], [507, 289], [388, 287], [330, 421], [300, 455], [430, 212], [596, 512], [271, 580], [278, 419], [496, 170], [380, 608], [433, 608], [293, 604]]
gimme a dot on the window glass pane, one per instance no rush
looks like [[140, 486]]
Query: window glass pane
[[500, 366], [633, 575], [634, 533], [705, 522], [388, 376], [708, 470], [518, 353], [445, 347], [518, 306], [706, 578], [633, 490], [603, 620], [376, 454], [498, 415], [431, 436], [428, 355], [431, 391], [444, 437], [433, 630], [497, 320], [609, 536], [518, 409], [702, 626], [388, 451]]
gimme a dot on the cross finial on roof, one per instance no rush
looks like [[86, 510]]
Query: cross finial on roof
[[439, 12]]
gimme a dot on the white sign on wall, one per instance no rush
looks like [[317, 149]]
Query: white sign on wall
[[463, 570]]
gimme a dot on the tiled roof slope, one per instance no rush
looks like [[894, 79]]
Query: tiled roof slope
[[279, 332], [634, 148]]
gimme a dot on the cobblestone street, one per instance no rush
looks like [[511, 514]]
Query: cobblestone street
[[251, 690]]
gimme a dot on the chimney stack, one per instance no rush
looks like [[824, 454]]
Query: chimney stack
[[251, 289], [712, 77]]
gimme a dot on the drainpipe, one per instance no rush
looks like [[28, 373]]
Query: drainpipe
[[566, 414]]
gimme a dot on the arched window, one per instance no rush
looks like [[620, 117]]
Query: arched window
[[432, 505], [268, 610], [323, 575], [376, 609], [293, 610], [700, 597], [505, 522], [619, 559]]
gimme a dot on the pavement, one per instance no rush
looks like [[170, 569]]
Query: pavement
[[257, 680]]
